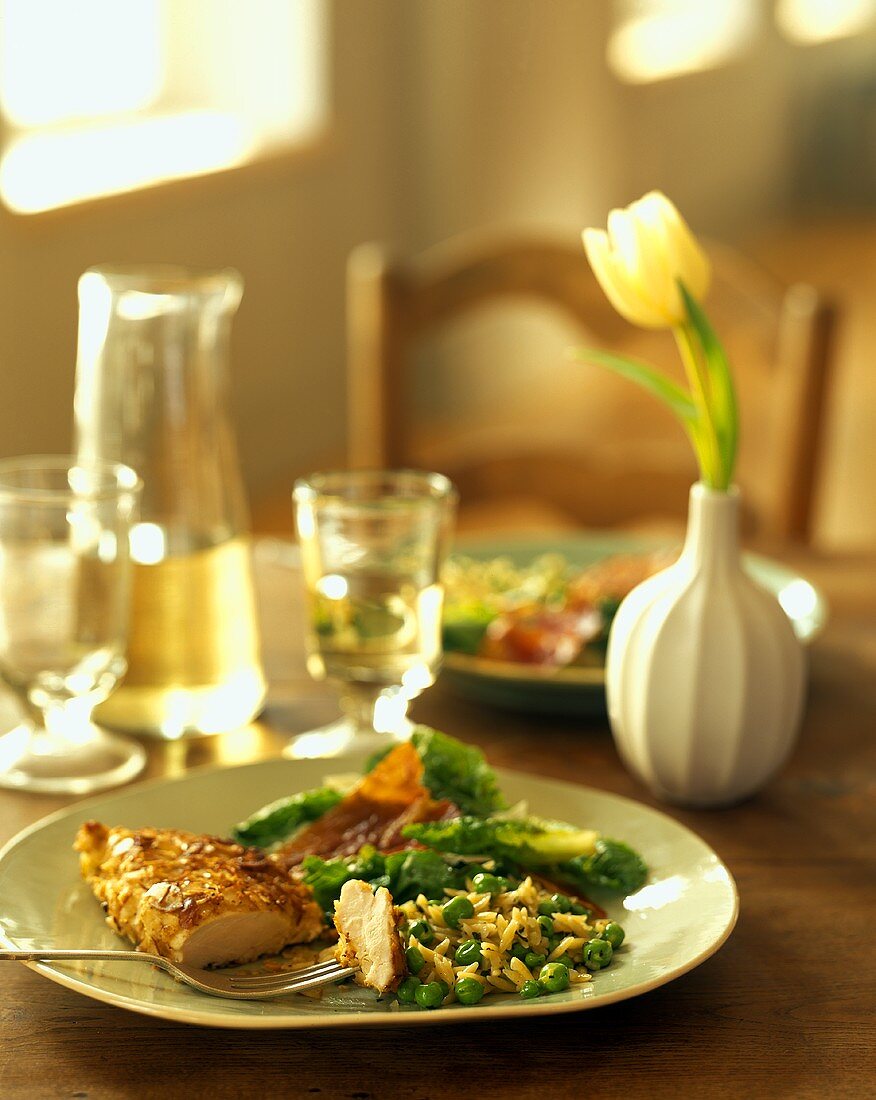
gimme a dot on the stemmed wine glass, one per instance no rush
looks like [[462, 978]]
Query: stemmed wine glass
[[373, 543], [64, 603]]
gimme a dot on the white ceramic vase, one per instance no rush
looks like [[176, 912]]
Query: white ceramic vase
[[704, 674]]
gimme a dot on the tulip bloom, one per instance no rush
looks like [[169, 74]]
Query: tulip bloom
[[648, 248], [655, 274]]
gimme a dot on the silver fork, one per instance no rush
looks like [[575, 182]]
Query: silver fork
[[219, 983]]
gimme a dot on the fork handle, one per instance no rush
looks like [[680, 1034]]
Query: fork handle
[[35, 956]]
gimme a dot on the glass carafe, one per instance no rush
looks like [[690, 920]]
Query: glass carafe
[[152, 390]]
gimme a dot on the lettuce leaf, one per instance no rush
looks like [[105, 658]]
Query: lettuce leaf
[[325, 877], [422, 872], [612, 865], [464, 627], [457, 772], [529, 841], [579, 857], [278, 820], [405, 874]]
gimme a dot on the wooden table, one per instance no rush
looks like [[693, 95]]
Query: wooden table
[[785, 1009]]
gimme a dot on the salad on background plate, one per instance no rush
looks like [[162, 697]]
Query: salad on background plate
[[526, 621]]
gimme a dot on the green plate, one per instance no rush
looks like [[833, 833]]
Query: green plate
[[581, 691], [676, 921]]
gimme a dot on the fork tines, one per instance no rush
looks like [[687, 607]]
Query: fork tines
[[290, 979]]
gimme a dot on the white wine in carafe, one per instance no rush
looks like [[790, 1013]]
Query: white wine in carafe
[[153, 391], [193, 651]]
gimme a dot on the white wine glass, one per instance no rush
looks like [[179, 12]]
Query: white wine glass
[[64, 605], [373, 543]]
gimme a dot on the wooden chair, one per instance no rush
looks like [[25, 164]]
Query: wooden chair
[[780, 340]]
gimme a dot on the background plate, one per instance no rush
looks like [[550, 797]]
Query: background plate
[[675, 922], [581, 691]]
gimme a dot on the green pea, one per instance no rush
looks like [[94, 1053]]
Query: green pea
[[422, 932], [530, 989], [555, 941], [469, 951], [429, 996], [488, 884], [519, 951], [534, 960], [445, 988], [597, 954], [613, 933], [407, 991], [457, 909], [468, 991], [554, 977], [546, 925], [546, 908], [579, 910], [567, 961], [561, 903], [415, 959]]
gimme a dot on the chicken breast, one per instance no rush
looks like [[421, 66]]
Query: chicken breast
[[195, 899], [367, 924]]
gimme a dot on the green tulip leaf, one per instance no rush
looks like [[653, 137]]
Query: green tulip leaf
[[649, 378]]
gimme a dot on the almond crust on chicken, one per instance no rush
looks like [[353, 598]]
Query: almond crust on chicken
[[367, 924], [194, 899]]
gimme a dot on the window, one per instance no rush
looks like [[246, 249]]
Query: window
[[656, 39], [100, 97]]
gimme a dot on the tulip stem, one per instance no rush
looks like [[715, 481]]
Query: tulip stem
[[706, 440]]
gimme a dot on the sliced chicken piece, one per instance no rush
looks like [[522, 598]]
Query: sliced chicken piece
[[367, 924], [194, 899]]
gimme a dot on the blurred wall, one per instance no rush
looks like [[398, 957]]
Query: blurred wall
[[512, 114]]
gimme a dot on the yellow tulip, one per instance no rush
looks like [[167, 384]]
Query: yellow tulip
[[638, 262]]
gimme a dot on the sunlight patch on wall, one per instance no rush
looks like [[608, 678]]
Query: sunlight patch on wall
[[658, 39], [69, 61], [811, 21], [44, 171], [100, 98]]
